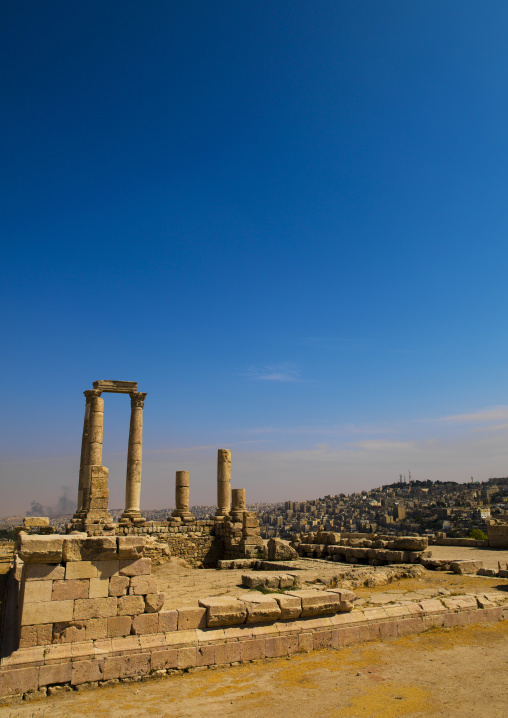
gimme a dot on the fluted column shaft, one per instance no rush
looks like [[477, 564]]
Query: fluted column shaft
[[134, 457], [223, 482]]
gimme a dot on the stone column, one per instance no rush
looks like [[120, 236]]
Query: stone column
[[95, 428], [238, 504], [134, 456], [223, 482], [93, 444], [84, 451], [182, 486]]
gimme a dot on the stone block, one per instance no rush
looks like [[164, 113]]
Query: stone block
[[47, 612], [260, 608], [107, 569], [182, 638], [315, 603], [205, 656], [290, 606], [44, 572], [127, 644], [137, 664], [187, 658], [139, 567], [276, 646], [250, 522], [493, 614], [71, 549], [74, 588], [145, 623], [87, 671], [118, 585], [69, 632], [190, 617], [95, 608], [164, 660], [112, 668], [305, 642], [99, 548], [56, 673], [141, 585], [96, 628], [407, 626], [168, 621], [462, 567], [40, 549], [19, 680], [36, 591], [80, 569], [252, 650], [228, 652], [154, 602], [118, 626], [31, 522], [387, 629], [99, 588], [368, 631], [28, 636], [131, 547], [322, 639], [348, 636], [130, 605], [57, 653], [223, 611]]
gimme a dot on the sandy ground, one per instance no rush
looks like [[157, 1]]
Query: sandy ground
[[458, 673]]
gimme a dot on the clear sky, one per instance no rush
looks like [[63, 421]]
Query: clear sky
[[287, 220]]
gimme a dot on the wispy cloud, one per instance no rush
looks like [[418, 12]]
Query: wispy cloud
[[496, 413], [381, 445], [274, 372], [492, 427]]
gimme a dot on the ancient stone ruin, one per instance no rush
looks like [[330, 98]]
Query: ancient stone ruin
[[83, 608]]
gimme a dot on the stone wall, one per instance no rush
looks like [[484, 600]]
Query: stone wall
[[498, 535], [224, 631], [202, 543]]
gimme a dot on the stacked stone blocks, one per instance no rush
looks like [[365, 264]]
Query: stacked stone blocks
[[188, 644], [79, 588]]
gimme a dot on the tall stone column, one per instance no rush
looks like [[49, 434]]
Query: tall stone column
[[223, 482], [93, 443], [95, 429], [84, 451], [182, 487], [134, 456]]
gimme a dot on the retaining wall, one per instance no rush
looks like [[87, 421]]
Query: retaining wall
[[29, 672]]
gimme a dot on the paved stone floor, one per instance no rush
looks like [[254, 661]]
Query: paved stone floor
[[183, 586]]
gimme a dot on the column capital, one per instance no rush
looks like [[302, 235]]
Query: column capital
[[137, 399], [89, 393]]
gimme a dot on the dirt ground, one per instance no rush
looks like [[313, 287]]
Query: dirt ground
[[458, 673]]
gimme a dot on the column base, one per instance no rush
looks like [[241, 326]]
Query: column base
[[184, 515], [132, 516]]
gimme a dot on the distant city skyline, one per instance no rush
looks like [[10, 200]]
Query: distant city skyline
[[286, 221]]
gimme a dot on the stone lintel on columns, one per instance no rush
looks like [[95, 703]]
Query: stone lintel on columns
[[116, 386]]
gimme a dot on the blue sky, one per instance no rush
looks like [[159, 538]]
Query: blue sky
[[286, 220]]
